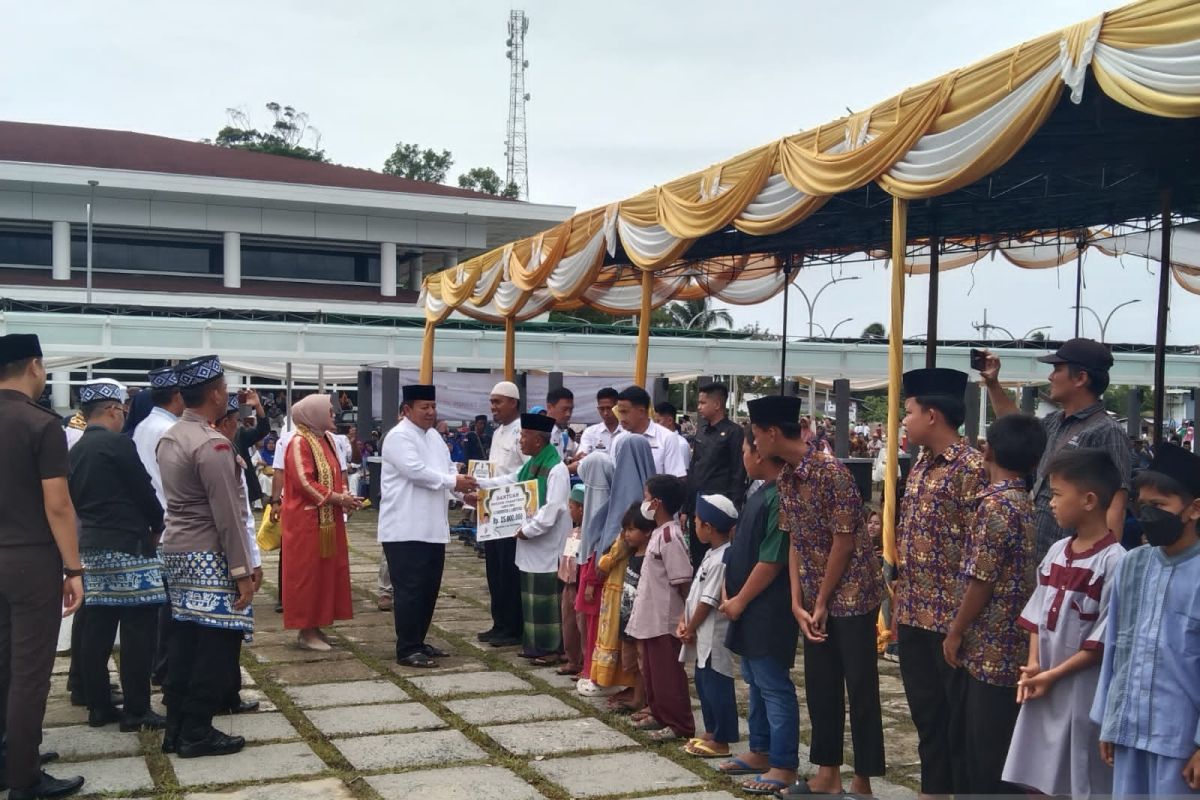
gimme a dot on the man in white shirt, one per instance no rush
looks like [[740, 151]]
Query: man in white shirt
[[168, 405], [669, 451], [540, 540], [599, 437], [500, 555], [665, 414], [416, 484], [560, 405]]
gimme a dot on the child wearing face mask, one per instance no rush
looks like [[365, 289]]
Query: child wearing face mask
[[1055, 746], [662, 589], [1146, 702]]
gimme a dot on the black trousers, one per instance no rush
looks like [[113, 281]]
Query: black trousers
[[75, 683], [845, 664], [30, 612], [989, 717], [201, 662], [504, 586], [935, 691], [416, 570], [162, 639], [138, 624]]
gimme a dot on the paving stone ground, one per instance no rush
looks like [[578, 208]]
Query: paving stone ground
[[352, 724]]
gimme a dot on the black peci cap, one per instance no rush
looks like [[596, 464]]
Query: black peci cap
[[935, 381]]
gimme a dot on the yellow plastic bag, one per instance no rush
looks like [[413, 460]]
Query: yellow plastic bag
[[269, 537]]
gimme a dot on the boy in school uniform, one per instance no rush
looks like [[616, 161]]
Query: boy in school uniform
[[998, 565], [1147, 700], [702, 629]]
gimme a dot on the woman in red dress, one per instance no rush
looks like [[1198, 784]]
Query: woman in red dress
[[317, 580]]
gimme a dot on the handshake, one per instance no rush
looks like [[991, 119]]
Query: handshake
[[465, 483]]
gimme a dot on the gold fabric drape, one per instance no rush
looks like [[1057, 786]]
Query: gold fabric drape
[[895, 373]]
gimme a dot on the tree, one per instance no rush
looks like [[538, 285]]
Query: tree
[[698, 316], [874, 331], [410, 161], [283, 138], [1037, 336], [485, 179]]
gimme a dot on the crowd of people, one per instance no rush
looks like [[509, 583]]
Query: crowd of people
[[1038, 653]]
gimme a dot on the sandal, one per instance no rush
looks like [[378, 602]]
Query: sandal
[[648, 724], [663, 735], [704, 749], [736, 766], [763, 786], [567, 670], [546, 661]]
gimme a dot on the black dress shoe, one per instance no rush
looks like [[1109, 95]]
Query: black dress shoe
[[486, 636], [214, 744], [434, 652], [99, 717], [241, 707], [149, 721], [48, 756], [47, 786]]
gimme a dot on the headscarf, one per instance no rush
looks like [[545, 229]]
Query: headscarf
[[596, 472], [313, 423], [265, 452], [313, 413], [139, 408], [633, 464]]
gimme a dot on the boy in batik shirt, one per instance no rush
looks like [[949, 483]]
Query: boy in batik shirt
[[998, 566]]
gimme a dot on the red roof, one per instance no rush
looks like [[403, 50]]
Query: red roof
[[143, 152]]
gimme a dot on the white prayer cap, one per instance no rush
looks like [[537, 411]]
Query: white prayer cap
[[507, 389], [717, 510]]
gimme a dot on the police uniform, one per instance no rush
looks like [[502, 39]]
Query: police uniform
[[204, 554]]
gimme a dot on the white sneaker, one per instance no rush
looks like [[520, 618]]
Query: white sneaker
[[587, 688]]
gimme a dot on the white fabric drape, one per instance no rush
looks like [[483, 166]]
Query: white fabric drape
[[777, 198], [1174, 68]]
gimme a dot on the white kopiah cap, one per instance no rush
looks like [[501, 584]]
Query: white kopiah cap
[[507, 389]]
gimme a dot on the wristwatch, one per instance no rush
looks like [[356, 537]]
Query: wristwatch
[[73, 573]]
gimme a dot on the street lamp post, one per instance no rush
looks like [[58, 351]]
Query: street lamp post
[[1102, 323], [812, 304], [91, 202]]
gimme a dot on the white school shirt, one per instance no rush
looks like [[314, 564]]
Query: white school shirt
[[670, 451], [416, 483], [145, 439], [547, 532], [506, 452], [597, 438], [709, 649]]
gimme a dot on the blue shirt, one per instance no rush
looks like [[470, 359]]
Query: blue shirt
[[1148, 697]]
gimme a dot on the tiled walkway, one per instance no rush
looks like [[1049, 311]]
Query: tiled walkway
[[352, 723]]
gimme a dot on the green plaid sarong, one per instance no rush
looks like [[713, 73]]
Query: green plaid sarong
[[541, 608]]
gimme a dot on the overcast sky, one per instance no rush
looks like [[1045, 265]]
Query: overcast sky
[[625, 95]]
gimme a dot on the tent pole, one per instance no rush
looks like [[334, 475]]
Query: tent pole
[[1078, 282], [895, 370], [510, 348], [287, 378], [643, 343], [787, 270], [931, 326], [1160, 337], [427, 354]]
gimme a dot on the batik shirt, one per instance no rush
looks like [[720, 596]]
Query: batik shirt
[[1000, 551], [818, 500], [936, 516]]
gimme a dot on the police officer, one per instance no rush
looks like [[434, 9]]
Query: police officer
[[208, 567]]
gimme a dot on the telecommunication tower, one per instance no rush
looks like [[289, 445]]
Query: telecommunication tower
[[515, 150]]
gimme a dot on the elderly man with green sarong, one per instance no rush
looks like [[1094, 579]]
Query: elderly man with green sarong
[[541, 539]]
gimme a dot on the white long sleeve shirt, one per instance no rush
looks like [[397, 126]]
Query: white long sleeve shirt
[[597, 438], [416, 483], [506, 455], [251, 533], [669, 450], [145, 438], [548, 530]]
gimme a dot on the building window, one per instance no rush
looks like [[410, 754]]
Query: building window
[[142, 255], [25, 249], [311, 265]]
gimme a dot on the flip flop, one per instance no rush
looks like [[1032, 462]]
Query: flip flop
[[739, 767], [567, 670], [772, 786], [703, 749], [648, 724], [663, 735]]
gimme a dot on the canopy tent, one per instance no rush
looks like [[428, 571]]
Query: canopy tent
[[1092, 126]]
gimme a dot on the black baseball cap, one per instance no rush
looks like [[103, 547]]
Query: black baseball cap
[[1086, 353]]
